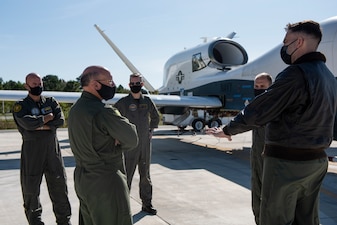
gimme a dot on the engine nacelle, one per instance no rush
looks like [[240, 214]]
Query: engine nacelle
[[225, 53], [221, 54]]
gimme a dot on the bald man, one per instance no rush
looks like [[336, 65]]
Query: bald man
[[262, 81], [37, 118], [98, 137]]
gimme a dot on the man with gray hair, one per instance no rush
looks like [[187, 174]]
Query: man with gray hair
[[98, 137]]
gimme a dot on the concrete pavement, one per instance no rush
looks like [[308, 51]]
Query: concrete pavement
[[197, 179]]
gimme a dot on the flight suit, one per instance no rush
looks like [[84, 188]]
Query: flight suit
[[144, 114], [335, 129], [41, 154], [257, 169], [100, 180]]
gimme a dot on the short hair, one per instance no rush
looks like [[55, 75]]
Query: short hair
[[91, 72], [266, 76], [137, 75], [28, 76], [308, 27], [86, 78]]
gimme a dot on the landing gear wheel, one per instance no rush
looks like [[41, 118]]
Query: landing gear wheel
[[214, 123], [198, 124]]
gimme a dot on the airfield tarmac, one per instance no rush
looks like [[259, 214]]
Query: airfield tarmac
[[197, 180]]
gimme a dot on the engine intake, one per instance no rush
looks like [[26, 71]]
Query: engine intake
[[224, 53]]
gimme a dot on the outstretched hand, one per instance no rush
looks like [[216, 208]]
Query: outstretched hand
[[218, 132]]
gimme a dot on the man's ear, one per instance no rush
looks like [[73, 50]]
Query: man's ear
[[300, 41], [95, 85], [26, 86]]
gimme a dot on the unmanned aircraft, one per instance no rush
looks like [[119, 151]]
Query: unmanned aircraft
[[207, 83], [219, 69]]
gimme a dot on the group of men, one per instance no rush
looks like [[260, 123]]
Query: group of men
[[298, 111], [107, 148], [292, 121]]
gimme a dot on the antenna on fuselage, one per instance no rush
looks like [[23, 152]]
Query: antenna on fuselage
[[127, 62], [204, 39], [231, 35]]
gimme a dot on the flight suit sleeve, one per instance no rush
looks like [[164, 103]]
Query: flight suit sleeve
[[237, 125], [154, 115], [23, 117], [58, 115], [281, 95], [119, 128]]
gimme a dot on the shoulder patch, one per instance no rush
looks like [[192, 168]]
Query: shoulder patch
[[17, 108]]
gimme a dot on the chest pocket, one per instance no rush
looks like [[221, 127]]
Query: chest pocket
[[143, 107], [46, 110], [138, 113]]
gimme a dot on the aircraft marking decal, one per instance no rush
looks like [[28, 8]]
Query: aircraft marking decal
[[180, 77]]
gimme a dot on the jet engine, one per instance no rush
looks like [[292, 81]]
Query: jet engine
[[182, 69], [224, 53]]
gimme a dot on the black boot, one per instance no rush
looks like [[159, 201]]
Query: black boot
[[149, 209]]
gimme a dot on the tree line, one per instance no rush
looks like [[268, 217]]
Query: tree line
[[52, 83]]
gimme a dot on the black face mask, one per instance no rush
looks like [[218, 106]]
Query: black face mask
[[258, 91], [136, 88], [284, 55], [36, 90], [106, 92]]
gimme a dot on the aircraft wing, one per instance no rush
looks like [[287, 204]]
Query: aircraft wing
[[14, 95], [186, 101], [159, 100]]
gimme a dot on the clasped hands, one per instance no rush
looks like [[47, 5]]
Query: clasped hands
[[218, 132]]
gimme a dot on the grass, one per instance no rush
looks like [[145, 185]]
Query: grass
[[7, 121]]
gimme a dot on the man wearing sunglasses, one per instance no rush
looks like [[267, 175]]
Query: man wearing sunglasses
[[142, 112]]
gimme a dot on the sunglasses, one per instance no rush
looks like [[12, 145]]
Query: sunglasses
[[135, 83], [111, 82]]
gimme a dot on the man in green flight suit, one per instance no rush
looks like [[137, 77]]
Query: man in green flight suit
[[142, 112], [262, 81], [37, 118], [98, 137]]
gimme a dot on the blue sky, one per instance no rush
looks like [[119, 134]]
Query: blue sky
[[59, 38]]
